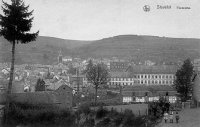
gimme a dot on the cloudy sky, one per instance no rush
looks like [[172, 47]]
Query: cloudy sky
[[97, 19]]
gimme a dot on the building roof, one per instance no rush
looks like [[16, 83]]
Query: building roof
[[152, 90], [149, 88], [119, 74], [158, 69]]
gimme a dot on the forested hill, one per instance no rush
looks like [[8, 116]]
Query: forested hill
[[143, 48], [45, 49]]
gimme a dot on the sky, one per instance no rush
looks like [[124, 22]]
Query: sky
[[97, 19]]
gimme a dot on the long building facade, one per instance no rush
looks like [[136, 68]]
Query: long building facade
[[144, 75]]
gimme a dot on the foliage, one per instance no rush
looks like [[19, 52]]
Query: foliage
[[101, 112], [15, 25], [104, 123], [43, 116], [98, 75], [85, 109], [89, 123], [183, 81], [38, 115], [40, 85]]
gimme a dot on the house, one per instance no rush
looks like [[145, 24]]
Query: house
[[196, 88], [118, 66], [50, 86], [67, 59], [196, 64], [143, 93]]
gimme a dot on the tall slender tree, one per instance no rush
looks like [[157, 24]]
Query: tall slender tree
[[183, 81], [98, 75], [15, 24]]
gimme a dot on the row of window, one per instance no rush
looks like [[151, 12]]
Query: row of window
[[144, 76], [172, 99], [144, 82]]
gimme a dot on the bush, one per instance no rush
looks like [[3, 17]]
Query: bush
[[101, 112], [22, 114], [89, 123], [104, 123], [85, 108]]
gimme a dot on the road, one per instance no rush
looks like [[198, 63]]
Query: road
[[188, 118]]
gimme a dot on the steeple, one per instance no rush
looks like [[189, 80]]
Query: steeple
[[60, 57]]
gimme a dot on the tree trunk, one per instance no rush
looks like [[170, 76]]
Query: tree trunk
[[95, 95], [11, 69], [9, 88]]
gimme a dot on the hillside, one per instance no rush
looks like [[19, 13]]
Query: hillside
[[143, 47], [45, 49]]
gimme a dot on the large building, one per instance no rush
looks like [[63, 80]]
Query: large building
[[144, 75]]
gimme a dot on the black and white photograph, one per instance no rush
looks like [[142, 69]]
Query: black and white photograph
[[99, 63]]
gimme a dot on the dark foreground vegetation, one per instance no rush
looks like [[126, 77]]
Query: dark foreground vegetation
[[27, 115]]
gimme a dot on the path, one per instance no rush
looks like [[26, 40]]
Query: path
[[188, 118]]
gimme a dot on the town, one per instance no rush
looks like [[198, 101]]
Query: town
[[98, 65]]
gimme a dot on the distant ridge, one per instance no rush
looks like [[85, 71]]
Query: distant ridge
[[136, 47], [143, 47]]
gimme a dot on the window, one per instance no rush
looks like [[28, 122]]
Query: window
[[148, 81], [152, 76], [148, 76], [141, 82], [160, 76], [141, 76], [167, 82], [163, 82], [152, 82], [145, 76], [127, 99], [156, 82], [159, 82], [167, 76], [156, 76], [163, 76]]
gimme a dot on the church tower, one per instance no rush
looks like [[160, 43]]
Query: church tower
[[60, 57]]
